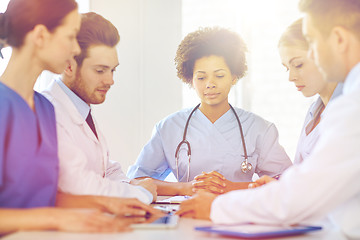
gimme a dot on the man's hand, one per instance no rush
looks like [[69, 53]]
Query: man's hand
[[261, 181], [198, 206], [112, 205], [127, 207], [148, 184]]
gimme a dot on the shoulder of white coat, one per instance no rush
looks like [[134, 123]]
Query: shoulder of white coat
[[65, 110], [344, 111]]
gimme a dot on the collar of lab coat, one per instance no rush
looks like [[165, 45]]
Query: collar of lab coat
[[60, 99], [352, 81], [80, 104], [66, 111]]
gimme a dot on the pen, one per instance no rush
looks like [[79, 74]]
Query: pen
[[277, 177]]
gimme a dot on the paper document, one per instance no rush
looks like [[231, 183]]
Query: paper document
[[175, 199]]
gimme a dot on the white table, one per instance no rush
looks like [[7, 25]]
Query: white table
[[184, 231]]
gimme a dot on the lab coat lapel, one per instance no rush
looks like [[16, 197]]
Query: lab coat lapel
[[69, 107], [102, 143]]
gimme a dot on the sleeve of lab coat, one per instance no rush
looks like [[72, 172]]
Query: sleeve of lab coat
[[273, 159], [114, 172], [329, 178], [75, 178]]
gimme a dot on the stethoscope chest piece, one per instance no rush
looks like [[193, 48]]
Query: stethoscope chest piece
[[246, 166]]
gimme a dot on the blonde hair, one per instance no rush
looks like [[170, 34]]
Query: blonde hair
[[293, 36]]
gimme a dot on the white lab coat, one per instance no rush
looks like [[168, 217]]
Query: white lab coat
[[214, 147], [327, 182], [307, 140], [85, 168]]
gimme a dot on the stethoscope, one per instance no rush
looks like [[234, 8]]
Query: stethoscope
[[245, 165]]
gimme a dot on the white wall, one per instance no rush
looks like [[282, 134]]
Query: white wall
[[144, 92]]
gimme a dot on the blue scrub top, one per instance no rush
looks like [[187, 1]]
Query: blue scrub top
[[214, 147], [28, 151]]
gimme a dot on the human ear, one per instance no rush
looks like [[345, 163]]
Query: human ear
[[70, 68], [234, 80], [40, 34], [339, 38]]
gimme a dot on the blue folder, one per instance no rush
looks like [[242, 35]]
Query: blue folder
[[254, 231]]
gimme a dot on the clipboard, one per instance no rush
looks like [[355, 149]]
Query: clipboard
[[255, 231]]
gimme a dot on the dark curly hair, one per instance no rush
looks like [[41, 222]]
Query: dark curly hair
[[211, 41]]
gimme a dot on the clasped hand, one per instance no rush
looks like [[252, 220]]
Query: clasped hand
[[213, 182], [216, 183]]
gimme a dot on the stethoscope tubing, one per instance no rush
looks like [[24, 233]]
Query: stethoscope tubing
[[245, 165]]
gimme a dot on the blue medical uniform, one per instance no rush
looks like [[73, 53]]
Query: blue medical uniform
[[215, 147], [28, 151]]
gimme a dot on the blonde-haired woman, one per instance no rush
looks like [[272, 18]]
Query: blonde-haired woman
[[303, 72], [293, 50]]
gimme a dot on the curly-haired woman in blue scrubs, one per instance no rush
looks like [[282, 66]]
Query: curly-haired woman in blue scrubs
[[223, 146]]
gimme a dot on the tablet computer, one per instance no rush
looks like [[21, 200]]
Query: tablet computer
[[254, 231], [167, 221]]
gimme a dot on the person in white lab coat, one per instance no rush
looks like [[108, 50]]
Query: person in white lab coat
[[327, 182], [307, 78], [85, 168], [303, 72], [211, 60]]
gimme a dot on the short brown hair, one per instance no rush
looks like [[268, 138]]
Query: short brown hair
[[211, 41], [327, 14], [95, 30]]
